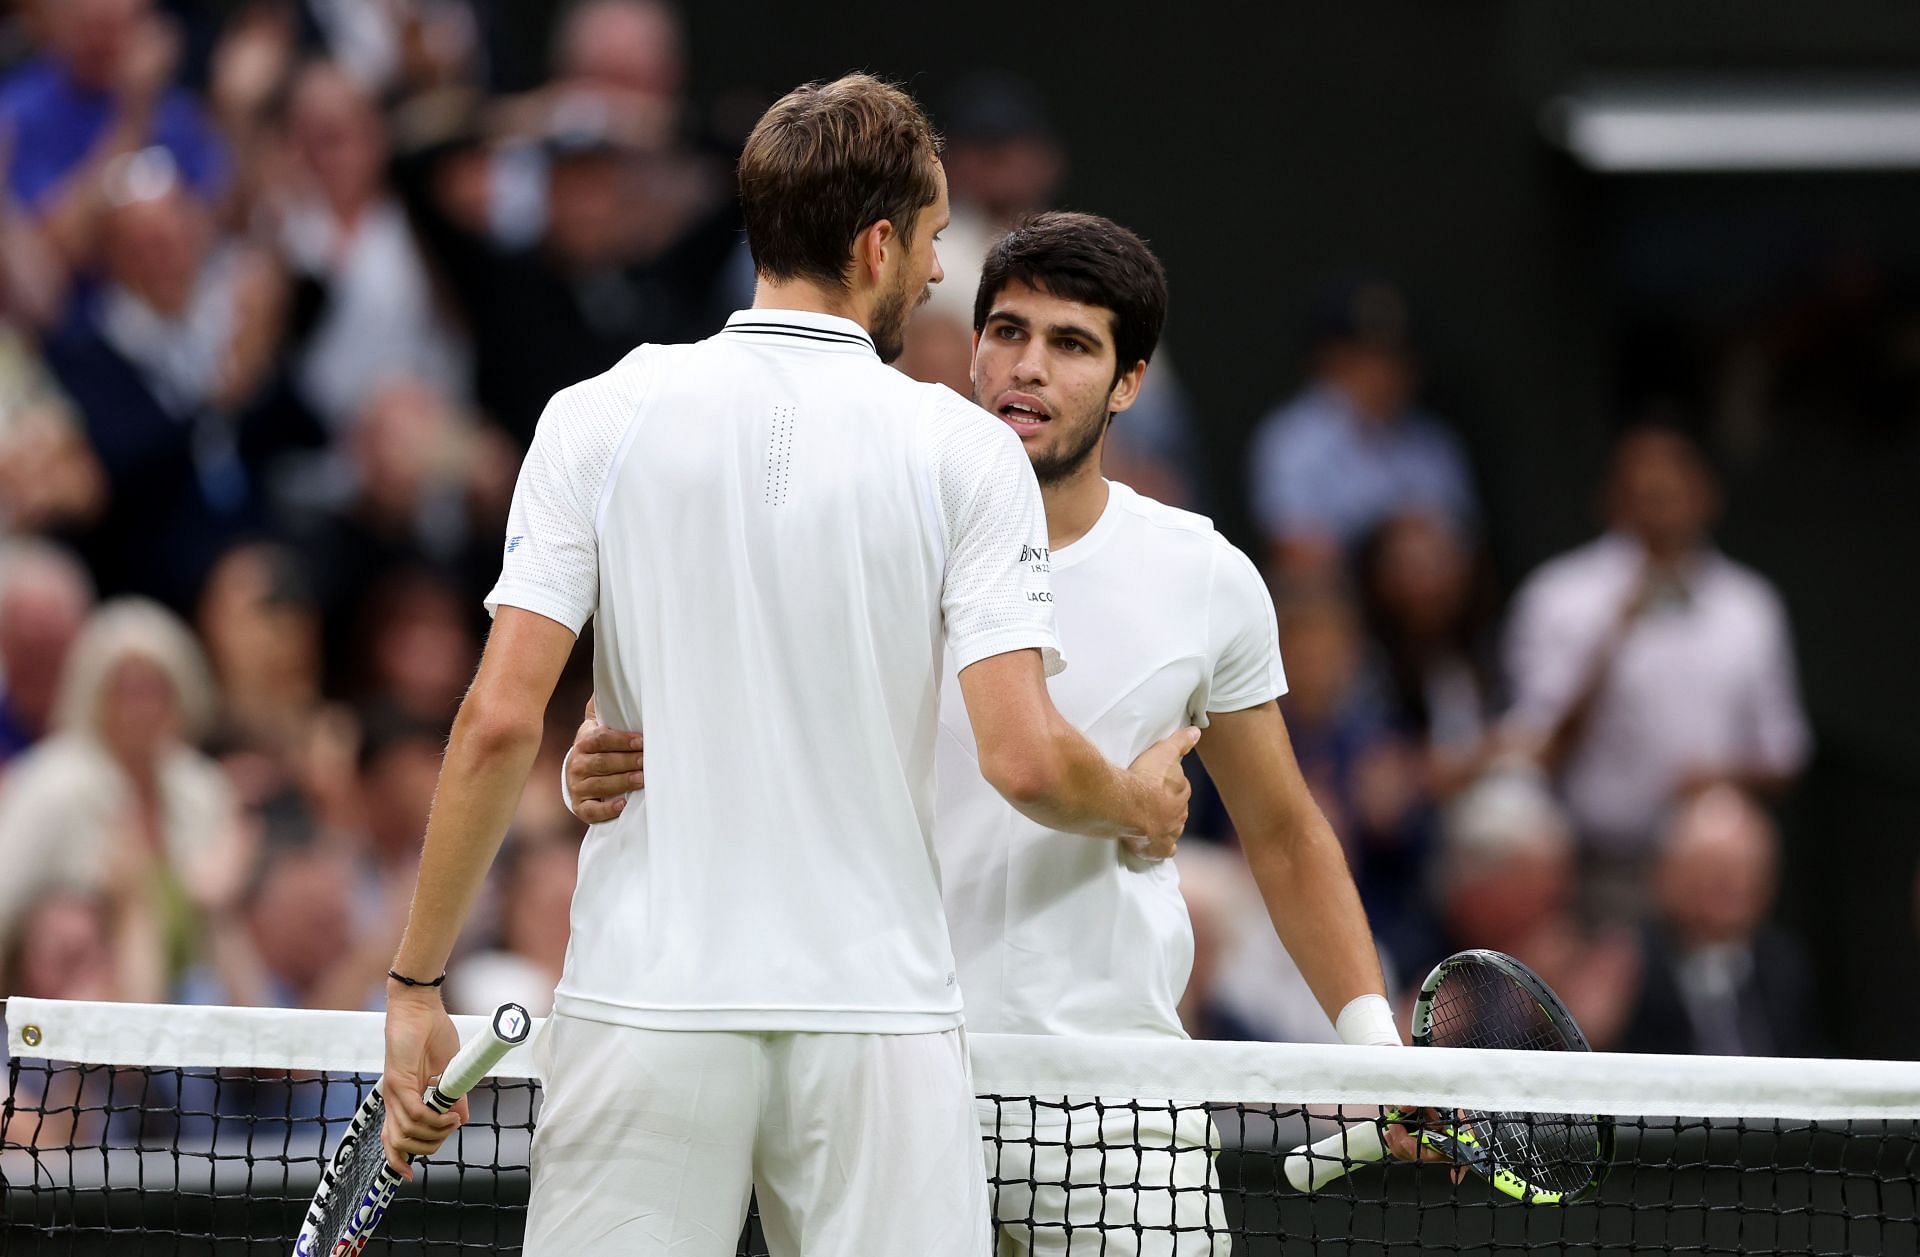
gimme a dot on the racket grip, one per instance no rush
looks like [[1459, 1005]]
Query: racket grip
[[1312, 1166], [477, 1056]]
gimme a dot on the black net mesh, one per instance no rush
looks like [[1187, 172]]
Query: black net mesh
[[99, 1159]]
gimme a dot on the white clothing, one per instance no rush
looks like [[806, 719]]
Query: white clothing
[[649, 1142], [774, 534], [1080, 1180], [1056, 933], [1704, 680], [380, 323], [66, 806]]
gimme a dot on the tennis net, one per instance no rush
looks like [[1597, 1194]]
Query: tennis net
[[155, 1129]]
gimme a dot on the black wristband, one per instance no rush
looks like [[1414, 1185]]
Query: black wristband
[[404, 980]]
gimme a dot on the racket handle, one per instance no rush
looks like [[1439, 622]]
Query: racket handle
[[477, 1056], [1312, 1166]]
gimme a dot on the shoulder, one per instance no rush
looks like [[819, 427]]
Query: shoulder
[[956, 427], [1578, 568], [1187, 536], [1744, 586], [1304, 417]]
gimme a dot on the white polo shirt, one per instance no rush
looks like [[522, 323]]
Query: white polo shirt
[[776, 536], [1056, 933]]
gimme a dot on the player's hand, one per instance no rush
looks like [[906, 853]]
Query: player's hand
[[604, 766], [420, 1041], [1404, 1142], [1159, 769]]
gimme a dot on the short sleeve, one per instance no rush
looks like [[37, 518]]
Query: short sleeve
[[1243, 637], [997, 595], [551, 563], [1776, 720]]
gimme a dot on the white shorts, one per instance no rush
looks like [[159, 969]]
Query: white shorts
[[650, 1141], [1076, 1181]]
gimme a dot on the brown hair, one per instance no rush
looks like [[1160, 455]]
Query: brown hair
[[1084, 258], [825, 163]]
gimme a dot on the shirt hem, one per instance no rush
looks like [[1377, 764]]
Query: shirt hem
[[813, 1020]]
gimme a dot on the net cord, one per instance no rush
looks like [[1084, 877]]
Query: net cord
[[1176, 1071]]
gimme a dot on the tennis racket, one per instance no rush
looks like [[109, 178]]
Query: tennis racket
[[1485, 999], [359, 1184]]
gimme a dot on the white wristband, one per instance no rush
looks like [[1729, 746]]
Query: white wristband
[[566, 795], [1368, 1019]]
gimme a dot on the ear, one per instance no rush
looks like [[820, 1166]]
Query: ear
[[1126, 390], [973, 363], [870, 249]]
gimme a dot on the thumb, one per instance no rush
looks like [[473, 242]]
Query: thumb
[[592, 710], [1185, 740]]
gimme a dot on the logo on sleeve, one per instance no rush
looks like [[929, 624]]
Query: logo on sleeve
[[513, 542], [1037, 558]]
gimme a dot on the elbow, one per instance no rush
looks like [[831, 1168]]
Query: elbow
[[1025, 779], [496, 730]]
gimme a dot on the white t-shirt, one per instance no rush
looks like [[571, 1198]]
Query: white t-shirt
[[1056, 933], [776, 536]]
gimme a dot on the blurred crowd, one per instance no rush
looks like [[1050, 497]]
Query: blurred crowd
[[283, 289]]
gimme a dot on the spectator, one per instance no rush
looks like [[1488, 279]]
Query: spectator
[[62, 947], [45, 597], [49, 478], [102, 90], [303, 946], [118, 798], [1719, 978], [1505, 880], [1353, 449], [536, 895], [1647, 664], [611, 231], [1426, 609], [1364, 776], [371, 307], [172, 364], [429, 493]]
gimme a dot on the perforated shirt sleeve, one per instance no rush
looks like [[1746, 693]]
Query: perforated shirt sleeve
[[1244, 640], [998, 591], [551, 564]]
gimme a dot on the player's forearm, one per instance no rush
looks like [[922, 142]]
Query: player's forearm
[[486, 766], [1303, 877], [1073, 788]]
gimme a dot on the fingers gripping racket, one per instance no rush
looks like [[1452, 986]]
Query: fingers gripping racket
[[1484, 999], [358, 1184]]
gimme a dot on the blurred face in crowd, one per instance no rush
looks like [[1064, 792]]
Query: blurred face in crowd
[[587, 223], [1007, 178], [64, 949], [301, 916], [1321, 641], [92, 36], [156, 246], [1716, 879], [1421, 575], [140, 715], [264, 642], [1378, 382], [626, 45], [338, 135], [406, 443], [1661, 492], [1047, 366], [913, 268], [39, 620], [1503, 901], [421, 648], [397, 793], [538, 906]]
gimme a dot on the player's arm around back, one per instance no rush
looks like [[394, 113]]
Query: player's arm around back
[[1048, 770]]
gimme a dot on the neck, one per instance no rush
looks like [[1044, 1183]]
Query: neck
[[1074, 504], [802, 294]]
